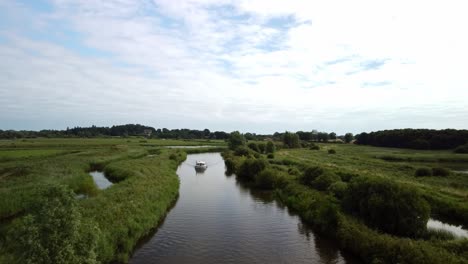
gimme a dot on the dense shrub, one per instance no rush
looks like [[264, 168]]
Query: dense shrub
[[324, 181], [421, 172], [54, 231], [438, 171], [230, 166], [251, 168], [331, 151], [388, 206], [463, 149], [346, 176], [253, 147], [310, 174], [294, 171], [271, 156], [270, 147], [291, 140], [314, 146], [261, 147], [338, 189], [266, 179], [242, 151]]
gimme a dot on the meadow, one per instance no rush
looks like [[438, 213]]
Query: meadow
[[317, 181], [121, 215], [369, 199]]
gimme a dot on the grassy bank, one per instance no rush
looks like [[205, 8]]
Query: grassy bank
[[316, 184], [145, 187]]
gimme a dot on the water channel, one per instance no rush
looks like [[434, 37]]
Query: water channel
[[216, 220]]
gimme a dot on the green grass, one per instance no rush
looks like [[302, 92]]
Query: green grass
[[447, 196], [146, 187]]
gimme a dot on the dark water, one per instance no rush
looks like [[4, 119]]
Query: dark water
[[216, 220]]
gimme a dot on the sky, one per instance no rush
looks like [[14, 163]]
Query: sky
[[259, 66]]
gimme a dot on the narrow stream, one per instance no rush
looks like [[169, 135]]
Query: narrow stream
[[216, 220], [458, 231]]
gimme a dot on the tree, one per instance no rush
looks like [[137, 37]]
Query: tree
[[291, 140], [348, 137], [322, 136], [332, 135], [54, 231], [236, 139]]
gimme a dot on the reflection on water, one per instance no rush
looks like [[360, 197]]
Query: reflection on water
[[456, 230], [218, 220], [100, 179]]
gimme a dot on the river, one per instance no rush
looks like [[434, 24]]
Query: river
[[216, 220]]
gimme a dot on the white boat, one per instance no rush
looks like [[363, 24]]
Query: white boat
[[200, 165]]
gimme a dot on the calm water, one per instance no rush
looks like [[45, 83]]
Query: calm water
[[101, 181], [216, 220]]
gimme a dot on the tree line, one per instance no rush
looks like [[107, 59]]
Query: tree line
[[141, 130], [415, 138]]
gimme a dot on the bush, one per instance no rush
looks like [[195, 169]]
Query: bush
[[463, 149], [294, 171], [422, 172], [253, 147], [314, 146], [231, 166], [242, 151], [388, 206], [262, 147], [271, 156], [338, 189], [346, 176], [324, 181], [438, 171], [250, 168], [266, 179], [310, 174], [331, 151], [270, 147], [54, 231]]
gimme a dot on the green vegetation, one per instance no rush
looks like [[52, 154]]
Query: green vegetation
[[416, 138], [463, 149], [374, 208], [236, 139], [43, 222], [291, 140]]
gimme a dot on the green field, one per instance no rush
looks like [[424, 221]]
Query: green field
[[142, 168], [390, 178], [146, 186]]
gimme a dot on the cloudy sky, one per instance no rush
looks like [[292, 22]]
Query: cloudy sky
[[258, 66]]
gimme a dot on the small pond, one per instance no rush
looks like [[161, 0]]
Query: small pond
[[100, 179]]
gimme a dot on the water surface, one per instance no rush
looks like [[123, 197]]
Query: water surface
[[100, 179], [458, 231], [216, 220]]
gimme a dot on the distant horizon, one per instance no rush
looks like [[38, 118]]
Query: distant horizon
[[227, 131], [234, 65]]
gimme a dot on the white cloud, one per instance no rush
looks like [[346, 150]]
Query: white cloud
[[250, 65]]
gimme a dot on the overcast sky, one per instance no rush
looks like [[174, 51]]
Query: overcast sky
[[258, 66]]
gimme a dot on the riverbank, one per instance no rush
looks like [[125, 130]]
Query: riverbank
[[145, 187], [315, 185]]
